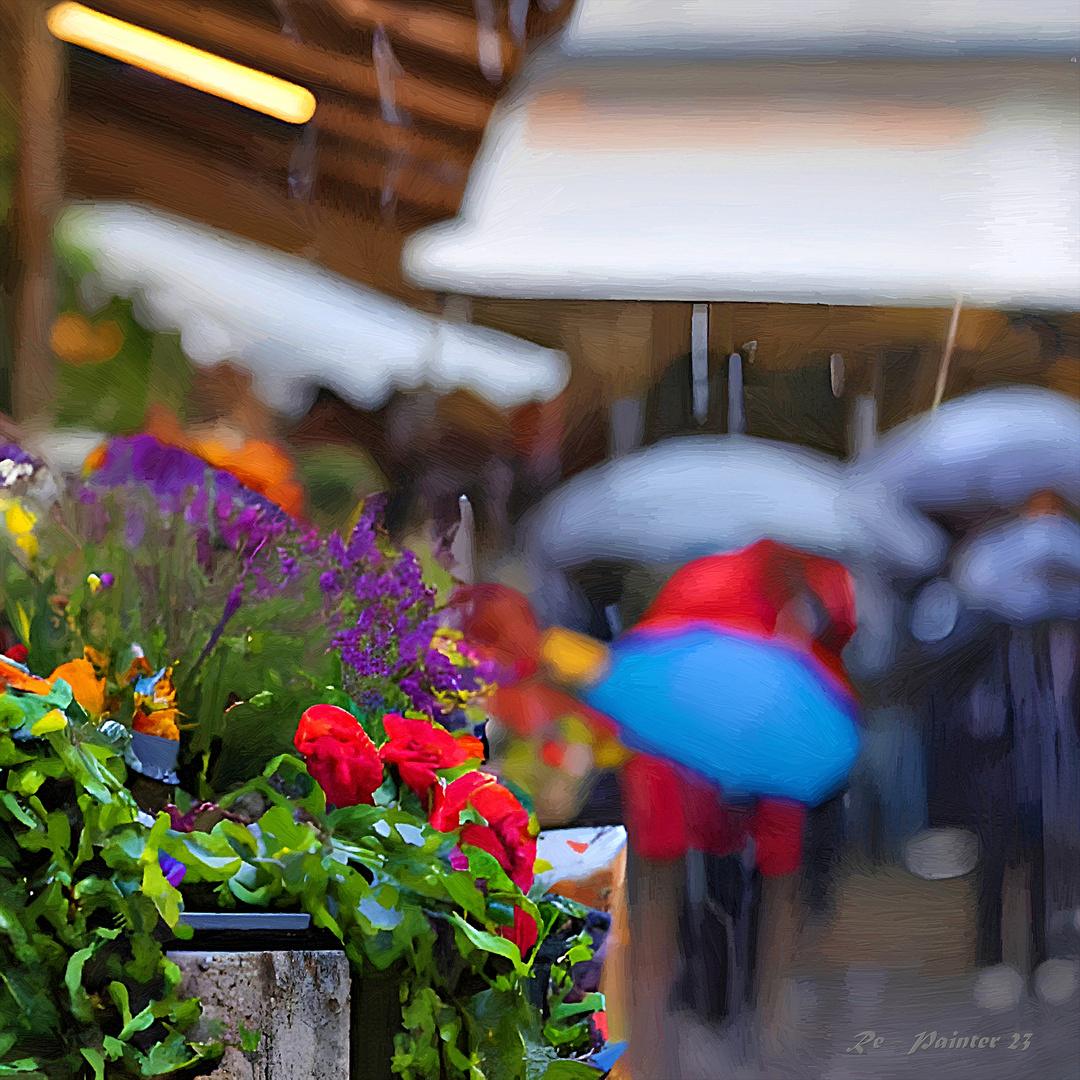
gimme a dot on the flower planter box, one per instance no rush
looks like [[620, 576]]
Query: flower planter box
[[268, 975]]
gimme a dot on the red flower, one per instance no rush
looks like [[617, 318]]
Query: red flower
[[507, 835], [523, 933], [499, 623], [418, 748], [339, 755]]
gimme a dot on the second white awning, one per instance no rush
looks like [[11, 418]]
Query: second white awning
[[844, 182]]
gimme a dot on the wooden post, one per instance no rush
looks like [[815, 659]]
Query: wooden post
[[655, 894], [38, 194]]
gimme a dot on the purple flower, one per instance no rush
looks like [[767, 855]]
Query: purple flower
[[16, 466], [335, 548], [17, 455], [173, 869], [458, 859], [134, 527], [232, 606], [186, 822], [107, 580], [182, 483]]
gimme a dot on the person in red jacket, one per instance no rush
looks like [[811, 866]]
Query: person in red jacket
[[767, 589]]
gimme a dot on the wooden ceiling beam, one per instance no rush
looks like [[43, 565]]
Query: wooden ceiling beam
[[370, 169], [205, 27], [99, 166], [355, 126], [444, 32], [411, 185]]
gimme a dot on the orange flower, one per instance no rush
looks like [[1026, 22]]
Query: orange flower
[[258, 465], [161, 722], [18, 679], [95, 459], [88, 689], [138, 668], [99, 660], [76, 340]]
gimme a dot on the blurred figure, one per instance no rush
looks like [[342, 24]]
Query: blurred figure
[[766, 592]]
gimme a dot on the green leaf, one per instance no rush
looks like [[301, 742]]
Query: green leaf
[[249, 1040], [564, 1069], [462, 889], [139, 1022], [119, 994], [491, 943], [15, 808], [21, 1067], [282, 835], [496, 1023], [560, 1036], [165, 898], [96, 1061], [81, 1007], [207, 856], [9, 754], [592, 1003], [114, 1048]]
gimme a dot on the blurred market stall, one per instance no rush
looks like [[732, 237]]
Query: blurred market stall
[[693, 197], [294, 326]]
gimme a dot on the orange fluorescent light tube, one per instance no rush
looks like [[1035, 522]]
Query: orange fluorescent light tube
[[182, 63]]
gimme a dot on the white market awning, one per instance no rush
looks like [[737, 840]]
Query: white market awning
[[832, 27], [293, 325], [892, 181]]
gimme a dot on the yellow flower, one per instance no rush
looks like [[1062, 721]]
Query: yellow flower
[[20, 523], [54, 720], [94, 582]]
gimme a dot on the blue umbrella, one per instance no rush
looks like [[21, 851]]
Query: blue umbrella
[[754, 716]]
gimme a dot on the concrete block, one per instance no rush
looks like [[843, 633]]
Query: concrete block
[[299, 1001]]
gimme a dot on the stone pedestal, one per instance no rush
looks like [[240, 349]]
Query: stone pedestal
[[299, 1002]]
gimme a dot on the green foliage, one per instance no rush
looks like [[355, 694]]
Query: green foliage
[[337, 478], [85, 987], [112, 396], [379, 878], [84, 906], [272, 656], [109, 396]]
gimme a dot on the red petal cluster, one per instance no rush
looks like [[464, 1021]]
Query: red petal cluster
[[339, 755], [418, 748]]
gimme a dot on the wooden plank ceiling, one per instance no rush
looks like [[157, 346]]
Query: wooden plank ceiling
[[404, 90]]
